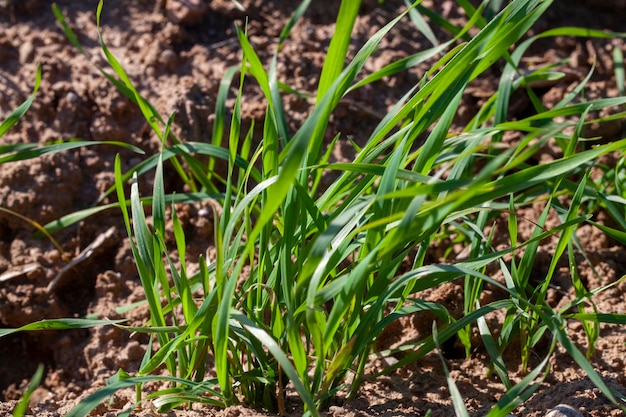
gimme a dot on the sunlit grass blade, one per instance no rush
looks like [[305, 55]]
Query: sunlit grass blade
[[584, 364], [80, 215], [442, 22], [336, 54], [74, 40], [494, 354], [148, 111], [31, 153], [421, 24], [618, 61], [59, 324], [591, 327], [460, 410], [41, 229], [22, 405], [402, 64], [217, 136]]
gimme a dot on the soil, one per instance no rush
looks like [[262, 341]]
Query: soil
[[177, 52]]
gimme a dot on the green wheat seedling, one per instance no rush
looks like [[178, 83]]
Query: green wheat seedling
[[305, 279], [22, 405], [301, 315]]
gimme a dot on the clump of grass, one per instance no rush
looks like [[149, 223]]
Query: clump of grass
[[325, 274]]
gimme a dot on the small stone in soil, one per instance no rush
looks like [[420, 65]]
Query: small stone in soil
[[186, 12], [564, 410]]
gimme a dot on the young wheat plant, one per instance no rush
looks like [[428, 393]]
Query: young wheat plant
[[326, 267]]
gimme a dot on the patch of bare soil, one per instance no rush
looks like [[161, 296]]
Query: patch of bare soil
[[177, 52]]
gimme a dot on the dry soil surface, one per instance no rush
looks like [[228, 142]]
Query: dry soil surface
[[177, 52]]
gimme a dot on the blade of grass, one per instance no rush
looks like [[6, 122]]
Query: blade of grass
[[338, 49], [61, 147], [59, 324], [460, 410], [421, 24], [22, 405]]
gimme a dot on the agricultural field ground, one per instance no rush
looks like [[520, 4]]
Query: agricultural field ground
[[176, 53]]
